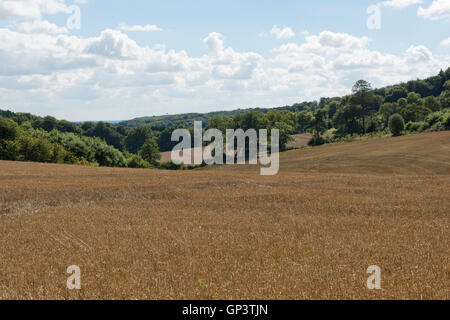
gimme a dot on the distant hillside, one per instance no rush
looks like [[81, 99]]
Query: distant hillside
[[187, 119]]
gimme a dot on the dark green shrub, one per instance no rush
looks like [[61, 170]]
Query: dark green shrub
[[317, 140], [169, 165], [396, 125], [136, 161]]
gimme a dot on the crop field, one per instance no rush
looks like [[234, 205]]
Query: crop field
[[226, 232]]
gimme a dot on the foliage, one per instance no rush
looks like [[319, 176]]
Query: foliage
[[8, 129], [396, 125], [150, 152], [305, 121], [137, 137], [136, 161], [317, 140]]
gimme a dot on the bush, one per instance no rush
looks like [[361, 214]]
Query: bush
[[415, 126], [439, 120], [93, 150], [434, 117], [136, 161], [446, 121], [169, 165], [317, 140], [396, 125], [108, 156], [438, 126]]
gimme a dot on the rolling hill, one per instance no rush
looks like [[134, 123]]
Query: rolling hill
[[228, 233]]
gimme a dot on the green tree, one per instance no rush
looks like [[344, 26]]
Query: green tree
[[285, 134], [150, 152], [387, 110], [402, 103], [444, 98], [106, 132], [8, 129], [221, 122], [415, 112], [305, 120], [137, 137], [447, 84], [165, 142], [364, 97], [395, 93], [48, 123], [320, 120], [396, 125], [35, 149], [66, 126], [250, 120], [332, 107], [414, 98], [432, 103], [346, 119]]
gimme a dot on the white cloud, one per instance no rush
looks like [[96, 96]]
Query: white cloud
[[39, 26], [400, 3], [113, 44], [418, 54], [445, 43], [226, 63], [439, 9], [284, 33], [137, 28], [214, 43], [112, 74], [30, 9]]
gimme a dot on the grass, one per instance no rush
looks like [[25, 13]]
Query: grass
[[228, 233]]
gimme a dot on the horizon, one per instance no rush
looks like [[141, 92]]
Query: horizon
[[79, 59]]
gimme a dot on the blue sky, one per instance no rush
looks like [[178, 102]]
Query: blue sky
[[137, 58]]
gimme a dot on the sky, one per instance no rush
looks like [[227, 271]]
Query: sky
[[115, 60]]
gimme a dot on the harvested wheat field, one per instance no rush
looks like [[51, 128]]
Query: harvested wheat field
[[228, 233]]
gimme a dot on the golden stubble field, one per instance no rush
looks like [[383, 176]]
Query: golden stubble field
[[229, 233]]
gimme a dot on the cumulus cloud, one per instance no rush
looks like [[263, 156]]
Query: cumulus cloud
[[28, 54], [42, 65], [445, 43], [419, 54], [338, 56], [30, 9], [439, 9], [138, 28], [284, 33], [226, 63], [214, 43], [39, 26], [113, 44]]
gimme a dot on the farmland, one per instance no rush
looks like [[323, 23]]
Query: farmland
[[226, 232]]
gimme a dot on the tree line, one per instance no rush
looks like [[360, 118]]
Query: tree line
[[417, 105]]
